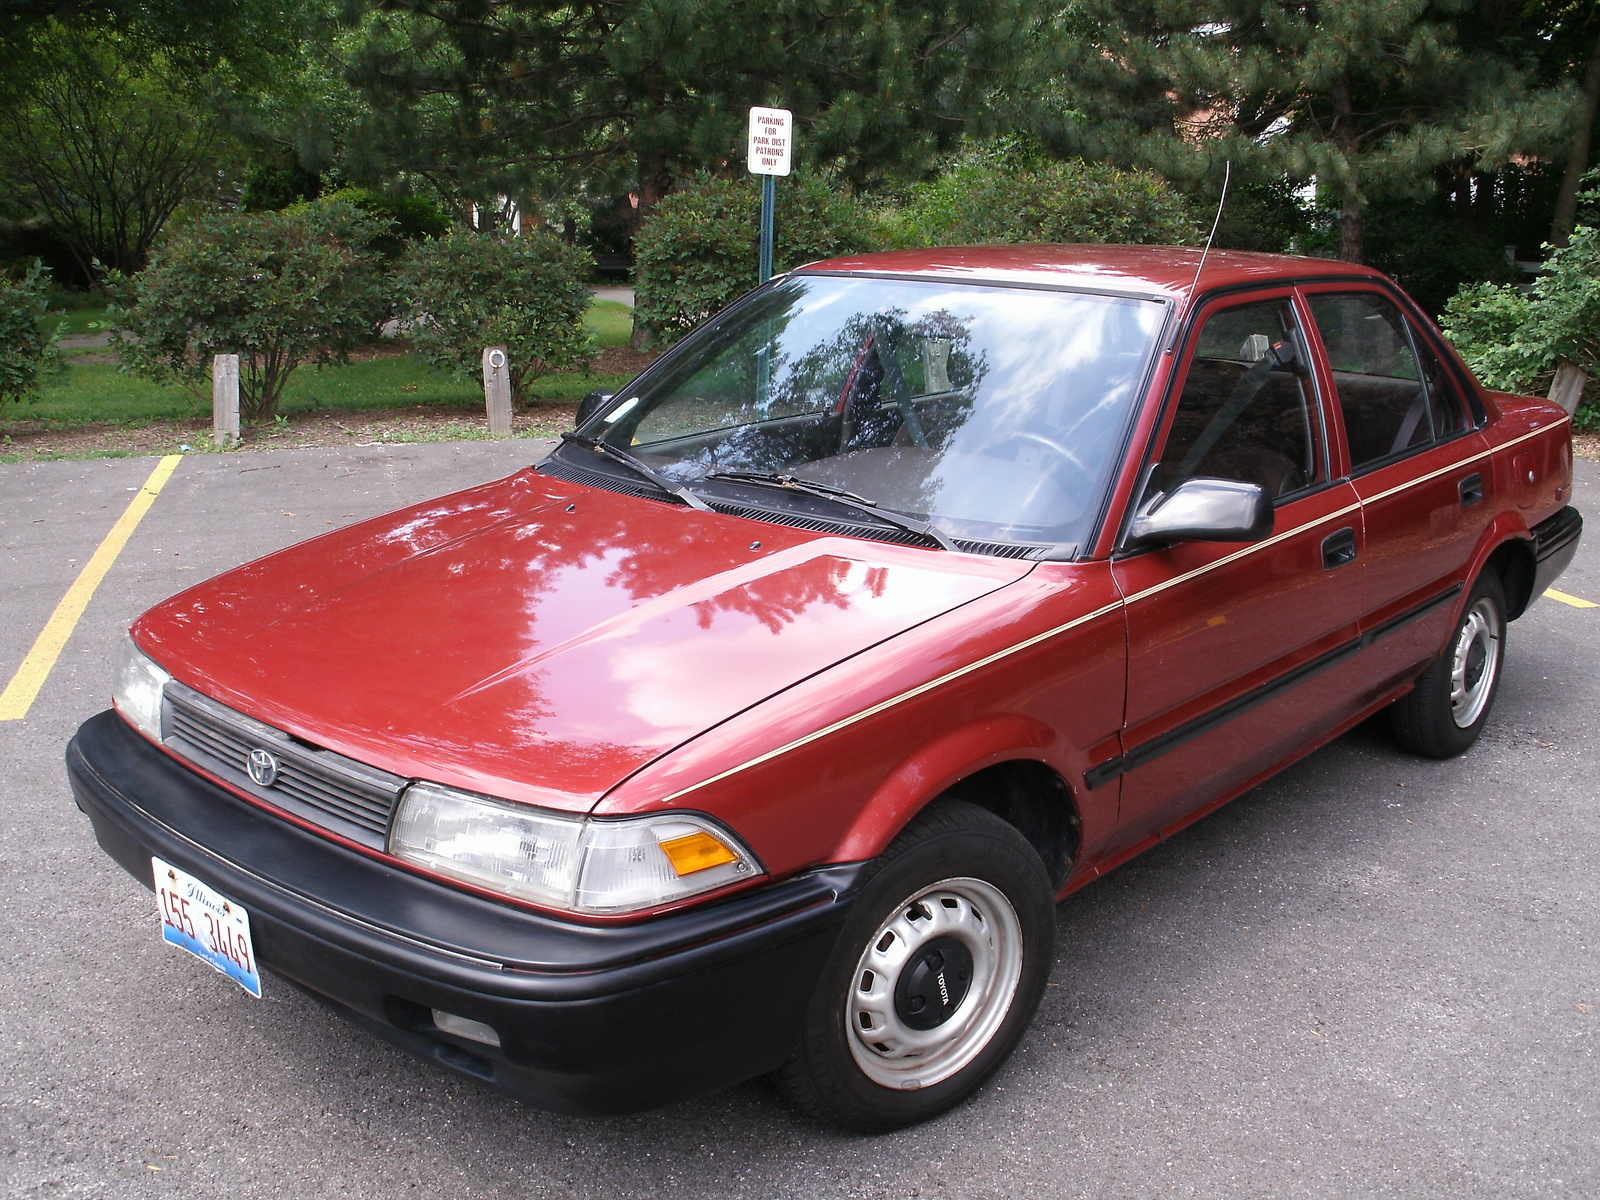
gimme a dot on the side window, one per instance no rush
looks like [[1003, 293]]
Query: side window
[[1390, 402], [1246, 410], [1444, 398]]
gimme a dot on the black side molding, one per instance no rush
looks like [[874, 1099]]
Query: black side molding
[[1144, 752]]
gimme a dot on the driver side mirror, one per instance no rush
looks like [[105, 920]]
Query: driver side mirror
[[1205, 510], [591, 404]]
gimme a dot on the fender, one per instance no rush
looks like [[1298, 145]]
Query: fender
[[1508, 528], [933, 768]]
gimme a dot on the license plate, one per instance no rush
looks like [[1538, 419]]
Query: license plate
[[207, 924]]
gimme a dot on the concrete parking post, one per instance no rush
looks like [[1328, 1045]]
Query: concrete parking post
[[497, 390], [225, 399]]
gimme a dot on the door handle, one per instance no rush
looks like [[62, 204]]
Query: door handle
[[1339, 549], [1471, 489]]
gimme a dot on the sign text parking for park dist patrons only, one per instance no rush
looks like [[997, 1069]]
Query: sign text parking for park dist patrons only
[[771, 142]]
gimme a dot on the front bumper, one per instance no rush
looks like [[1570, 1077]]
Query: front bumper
[[591, 1019]]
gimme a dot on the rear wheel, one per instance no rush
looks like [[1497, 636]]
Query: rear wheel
[[934, 979], [1449, 707]]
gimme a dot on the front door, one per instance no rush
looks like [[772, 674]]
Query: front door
[[1237, 653]]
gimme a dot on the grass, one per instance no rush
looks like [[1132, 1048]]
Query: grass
[[90, 392], [78, 321], [611, 323]]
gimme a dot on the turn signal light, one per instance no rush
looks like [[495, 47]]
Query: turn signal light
[[698, 851]]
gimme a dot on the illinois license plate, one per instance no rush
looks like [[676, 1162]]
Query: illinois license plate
[[207, 924]]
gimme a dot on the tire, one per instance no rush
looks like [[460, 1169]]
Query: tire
[[935, 976], [1449, 707]]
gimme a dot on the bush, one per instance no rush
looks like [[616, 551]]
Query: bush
[[470, 290], [1515, 342], [27, 353], [697, 251], [276, 288], [1001, 196], [403, 219]]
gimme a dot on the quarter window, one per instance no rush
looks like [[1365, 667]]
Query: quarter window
[[1246, 410], [1391, 401]]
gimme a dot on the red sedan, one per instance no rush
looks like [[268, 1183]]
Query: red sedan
[[759, 727]]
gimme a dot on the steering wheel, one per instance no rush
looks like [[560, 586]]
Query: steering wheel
[[1029, 437]]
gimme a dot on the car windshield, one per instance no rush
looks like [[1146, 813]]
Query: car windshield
[[991, 414]]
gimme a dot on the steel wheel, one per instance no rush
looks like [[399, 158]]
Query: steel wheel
[[934, 983], [1474, 663], [1449, 706], [933, 978]]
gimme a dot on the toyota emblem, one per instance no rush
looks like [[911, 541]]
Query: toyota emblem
[[263, 768]]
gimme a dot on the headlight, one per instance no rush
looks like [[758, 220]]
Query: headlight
[[138, 688], [572, 863]]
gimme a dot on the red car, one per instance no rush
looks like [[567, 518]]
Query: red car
[[759, 727]]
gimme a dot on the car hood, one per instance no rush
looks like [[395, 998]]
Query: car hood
[[540, 640]]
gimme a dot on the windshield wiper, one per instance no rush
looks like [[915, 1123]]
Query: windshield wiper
[[616, 454], [838, 496]]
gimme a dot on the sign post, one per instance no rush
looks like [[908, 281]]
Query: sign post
[[770, 153]]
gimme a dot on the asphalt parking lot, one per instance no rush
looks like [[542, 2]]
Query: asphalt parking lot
[[1374, 976]]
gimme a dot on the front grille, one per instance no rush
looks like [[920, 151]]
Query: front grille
[[329, 790]]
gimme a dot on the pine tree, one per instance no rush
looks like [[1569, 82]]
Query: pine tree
[[493, 96], [1370, 98]]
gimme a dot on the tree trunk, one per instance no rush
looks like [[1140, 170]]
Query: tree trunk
[[1350, 232], [655, 181], [1578, 155]]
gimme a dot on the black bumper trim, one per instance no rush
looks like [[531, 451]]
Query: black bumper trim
[[592, 1019], [1555, 543]]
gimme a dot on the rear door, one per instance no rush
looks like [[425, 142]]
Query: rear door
[[1415, 462], [1235, 649]]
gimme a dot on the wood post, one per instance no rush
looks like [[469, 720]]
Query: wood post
[[1567, 387], [497, 389], [225, 399]]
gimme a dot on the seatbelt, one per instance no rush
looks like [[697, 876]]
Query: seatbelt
[[897, 383], [1280, 354], [1408, 427]]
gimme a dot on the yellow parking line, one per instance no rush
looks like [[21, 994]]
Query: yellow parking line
[[1575, 601], [35, 669]]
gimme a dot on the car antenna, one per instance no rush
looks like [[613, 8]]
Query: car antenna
[[1227, 173]]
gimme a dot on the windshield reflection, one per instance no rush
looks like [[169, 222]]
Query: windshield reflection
[[992, 413]]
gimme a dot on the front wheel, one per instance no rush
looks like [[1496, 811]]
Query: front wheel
[[935, 976], [1449, 707]]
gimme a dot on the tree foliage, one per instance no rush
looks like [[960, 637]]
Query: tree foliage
[[105, 149], [26, 352], [468, 290], [527, 96], [278, 289], [1513, 341], [698, 251], [1369, 97], [998, 195]]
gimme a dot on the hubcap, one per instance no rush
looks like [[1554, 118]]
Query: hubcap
[[934, 983], [1474, 663]]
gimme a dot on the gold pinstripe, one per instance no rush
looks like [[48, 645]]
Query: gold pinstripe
[[1029, 643]]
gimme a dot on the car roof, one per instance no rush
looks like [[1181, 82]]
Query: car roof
[[1144, 270]]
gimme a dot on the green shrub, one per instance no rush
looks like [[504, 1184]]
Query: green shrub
[[470, 290], [1515, 342], [403, 219], [27, 353], [998, 196], [276, 288], [697, 251]]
